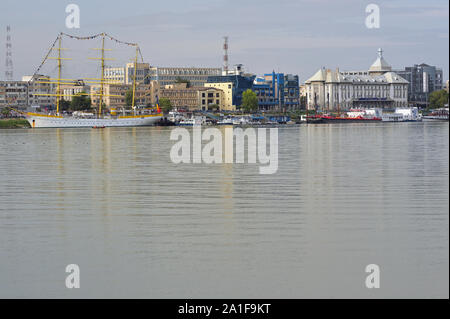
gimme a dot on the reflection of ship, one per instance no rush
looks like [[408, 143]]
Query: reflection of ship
[[100, 120]]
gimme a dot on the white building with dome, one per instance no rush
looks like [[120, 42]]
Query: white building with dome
[[329, 90]]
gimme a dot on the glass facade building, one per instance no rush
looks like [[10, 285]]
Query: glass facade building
[[241, 83]]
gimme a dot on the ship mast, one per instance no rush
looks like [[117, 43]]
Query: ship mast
[[134, 78], [58, 90], [102, 78]]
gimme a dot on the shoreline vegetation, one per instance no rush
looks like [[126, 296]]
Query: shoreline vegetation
[[14, 123]]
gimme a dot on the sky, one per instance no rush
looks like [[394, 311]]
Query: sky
[[289, 36]]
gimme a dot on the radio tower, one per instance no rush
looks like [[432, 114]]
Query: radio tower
[[225, 56], [9, 63]]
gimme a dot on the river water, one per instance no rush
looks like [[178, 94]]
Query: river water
[[137, 225]]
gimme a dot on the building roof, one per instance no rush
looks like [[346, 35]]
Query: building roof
[[373, 76], [380, 64], [329, 76], [319, 76]]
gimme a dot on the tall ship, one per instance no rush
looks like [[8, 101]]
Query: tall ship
[[135, 116]]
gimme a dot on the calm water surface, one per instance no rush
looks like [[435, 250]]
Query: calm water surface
[[111, 201]]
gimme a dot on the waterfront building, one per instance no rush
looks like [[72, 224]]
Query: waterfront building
[[68, 91], [14, 94], [2, 94], [192, 98], [142, 73], [423, 79], [329, 90], [115, 75], [227, 89], [40, 91], [239, 84], [115, 95], [125, 75], [277, 92], [169, 75], [291, 92]]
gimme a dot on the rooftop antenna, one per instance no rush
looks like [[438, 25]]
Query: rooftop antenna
[[9, 63], [225, 55]]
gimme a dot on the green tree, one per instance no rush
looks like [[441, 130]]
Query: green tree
[[165, 105], [64, 105], [129, 97], [213, 107], [6, 112], [181, 80], [249, 101], [438, 99], [80, 102]]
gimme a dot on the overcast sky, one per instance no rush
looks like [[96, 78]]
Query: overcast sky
[[290, 36]]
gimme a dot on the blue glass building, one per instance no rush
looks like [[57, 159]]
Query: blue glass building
[[276, 91], [240, 85]]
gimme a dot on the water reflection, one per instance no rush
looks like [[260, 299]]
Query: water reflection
[[138, 225]]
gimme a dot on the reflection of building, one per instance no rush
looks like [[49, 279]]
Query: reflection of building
[[276, 91], [169, 75], [192, 98], [423, 79], [377, 87]]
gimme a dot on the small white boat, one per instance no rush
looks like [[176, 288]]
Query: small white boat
[[403, 115], [226, 121], [197, 120]]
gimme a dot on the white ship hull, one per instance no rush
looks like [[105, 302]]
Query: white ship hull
[[37, 120]]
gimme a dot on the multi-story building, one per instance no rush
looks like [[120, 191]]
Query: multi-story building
[[291, 92], [169, 75], [115, 75], [68, 91], [2, 94], [125, 75], [41, 93], [276, 91], [114, 95], [142, 73], [15, 94], [423, 79], [238, 83], [192, 98], [329, 90], [227, 89]]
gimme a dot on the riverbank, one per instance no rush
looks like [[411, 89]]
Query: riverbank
[[14, 123]]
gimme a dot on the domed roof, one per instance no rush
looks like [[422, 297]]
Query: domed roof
[[380, 64]]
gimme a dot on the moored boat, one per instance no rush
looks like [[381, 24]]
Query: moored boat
[[37, 120], [403, 115]]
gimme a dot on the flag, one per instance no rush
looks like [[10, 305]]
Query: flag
[[158, 110]]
